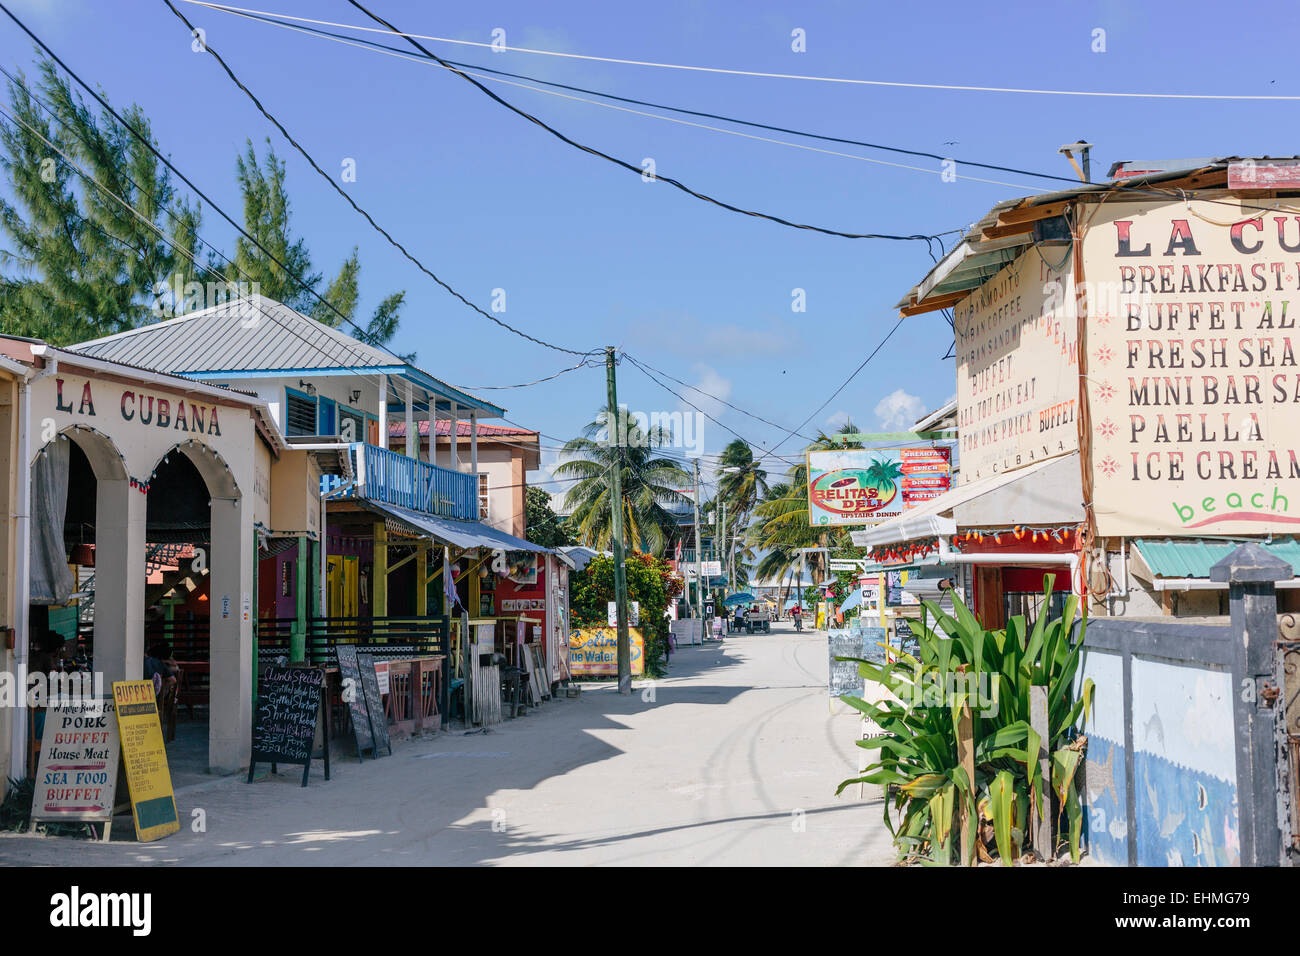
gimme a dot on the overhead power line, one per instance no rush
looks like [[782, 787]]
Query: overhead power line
[[843, 385], [370, 219], [144, 140], [716, 398], [623, 164], [497, 76], [1129, 188], [393, 31]]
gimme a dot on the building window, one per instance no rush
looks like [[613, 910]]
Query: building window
[[482, 497], [300, 415]]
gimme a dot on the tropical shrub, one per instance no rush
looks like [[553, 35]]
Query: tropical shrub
[[963, 665], [650, 583]]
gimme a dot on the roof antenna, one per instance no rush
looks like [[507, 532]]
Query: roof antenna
[[1082, 148]]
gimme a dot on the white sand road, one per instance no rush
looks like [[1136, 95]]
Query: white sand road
[[733, 760]]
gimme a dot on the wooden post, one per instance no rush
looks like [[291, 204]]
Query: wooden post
[[1042, 827], [966, 757], [379, 586]]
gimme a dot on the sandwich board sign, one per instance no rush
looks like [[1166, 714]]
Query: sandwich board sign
[[153, 805], [286, 721], [76, 776]]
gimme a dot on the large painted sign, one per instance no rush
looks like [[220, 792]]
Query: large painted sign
[[1193, 377], [593, 651], [76, 777], [865, 486], [1018, 367]]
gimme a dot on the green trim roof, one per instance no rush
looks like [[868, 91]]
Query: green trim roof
[[1192, 557]]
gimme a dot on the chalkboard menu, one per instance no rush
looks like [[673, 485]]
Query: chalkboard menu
[[355, 697], [374, 703], [284, 726]]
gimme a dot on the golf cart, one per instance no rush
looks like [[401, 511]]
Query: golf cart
[[758, 619]]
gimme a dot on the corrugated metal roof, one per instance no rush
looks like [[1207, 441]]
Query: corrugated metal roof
[[1192, 557], [976, 258], [252, 333]]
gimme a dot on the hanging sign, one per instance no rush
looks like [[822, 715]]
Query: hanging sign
[[1193, 372], [865, 486], [153, 805], [1018, 366]]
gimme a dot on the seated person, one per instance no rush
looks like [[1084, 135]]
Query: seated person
[[161, 667]]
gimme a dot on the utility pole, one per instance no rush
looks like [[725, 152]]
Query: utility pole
[[722, 535], [616, 528], [699, 555]]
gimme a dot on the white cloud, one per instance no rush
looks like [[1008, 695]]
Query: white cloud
[[899, 410], [709, 383], [839, 418]]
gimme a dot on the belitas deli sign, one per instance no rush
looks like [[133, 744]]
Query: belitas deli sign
[[868, 486], [1193, 378]]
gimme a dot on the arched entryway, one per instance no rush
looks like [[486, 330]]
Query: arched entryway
[[195, 543]]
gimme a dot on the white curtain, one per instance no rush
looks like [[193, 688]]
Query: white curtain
[[52, 581]]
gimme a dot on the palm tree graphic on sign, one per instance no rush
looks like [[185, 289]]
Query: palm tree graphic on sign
[[883, 474]]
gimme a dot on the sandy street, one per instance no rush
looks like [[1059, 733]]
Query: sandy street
[[732, 760]]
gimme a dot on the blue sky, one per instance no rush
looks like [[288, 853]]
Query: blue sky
[[590, 255]]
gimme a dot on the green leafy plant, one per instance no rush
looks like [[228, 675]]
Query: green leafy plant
[[972, 685]]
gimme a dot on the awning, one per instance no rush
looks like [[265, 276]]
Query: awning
[[461, 534], [853, 600], [1184, 564], [934, 517]]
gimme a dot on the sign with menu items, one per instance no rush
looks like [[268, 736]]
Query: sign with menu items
[[289, 702], [865, 486], [1193, 376], [76, 776], [1018, 366], [153, 805]]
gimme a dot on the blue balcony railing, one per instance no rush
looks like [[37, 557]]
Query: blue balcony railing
[[389, 478]]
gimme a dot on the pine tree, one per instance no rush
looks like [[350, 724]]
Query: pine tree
[[80, 264]]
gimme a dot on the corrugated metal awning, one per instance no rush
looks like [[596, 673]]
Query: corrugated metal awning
[[1192, 557]]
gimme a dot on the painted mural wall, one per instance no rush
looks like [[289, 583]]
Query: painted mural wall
[[1184, 769]]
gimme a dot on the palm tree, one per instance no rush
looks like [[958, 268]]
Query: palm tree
[[741, 482], [648, 483]]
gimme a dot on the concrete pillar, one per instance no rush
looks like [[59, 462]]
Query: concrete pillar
[[455, 437], [412, 436], [382, 411], [119, 580], [473, 442], [231, 575]]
